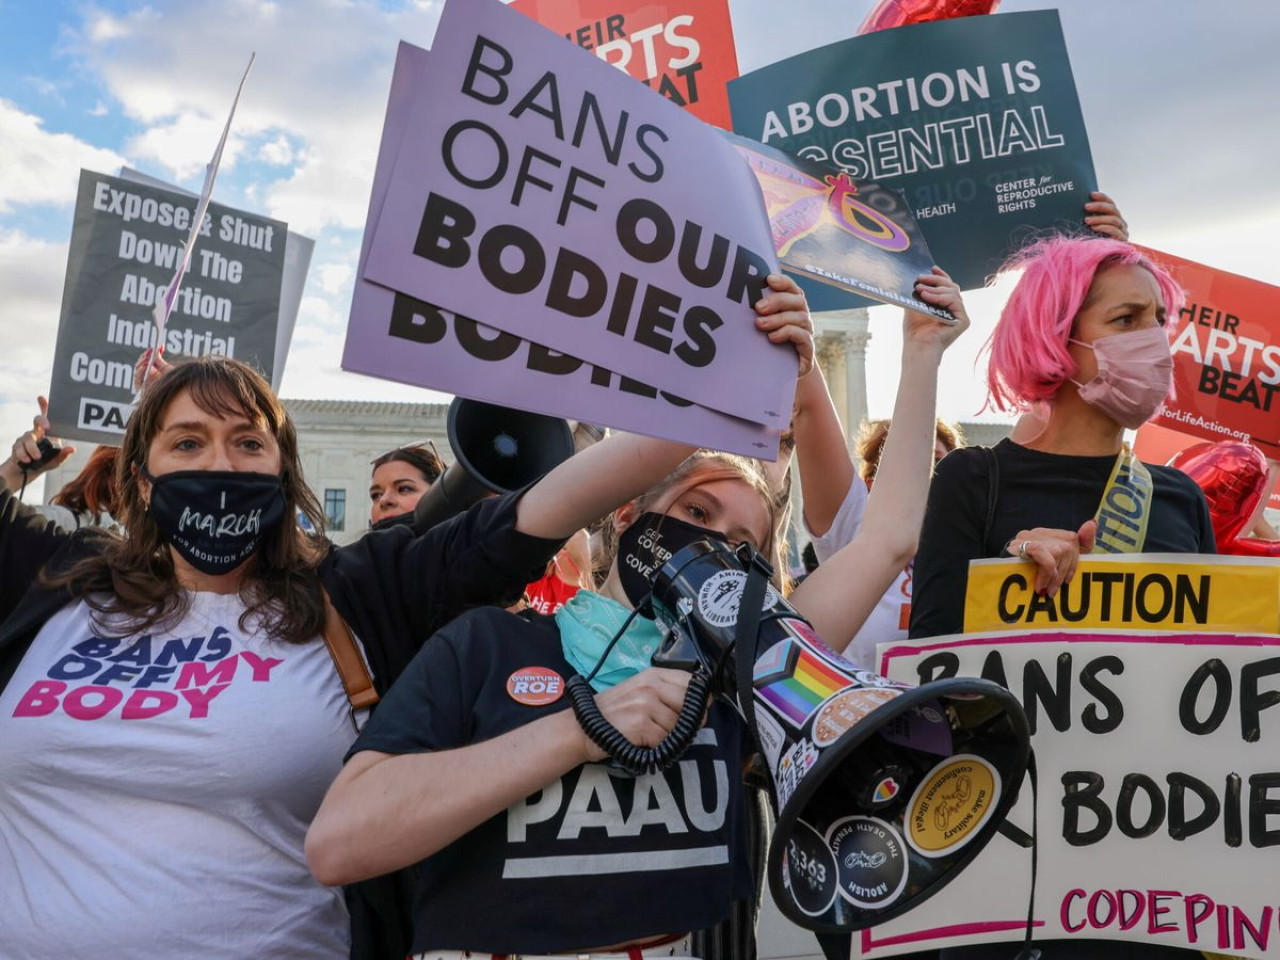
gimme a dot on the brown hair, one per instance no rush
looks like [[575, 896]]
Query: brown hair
[[134, 575], [705, 466], [423, 457], [871, 440], [92, 490]]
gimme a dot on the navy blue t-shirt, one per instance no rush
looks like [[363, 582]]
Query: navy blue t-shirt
[[595, 858]]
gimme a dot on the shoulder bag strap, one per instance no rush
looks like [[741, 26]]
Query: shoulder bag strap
[[993, 490], [352, 670]]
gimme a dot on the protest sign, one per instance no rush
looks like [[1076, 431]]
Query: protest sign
[[1159, 793], [126, 242], [1199, 594], [1158, 444], [683, 49], [297, 261], [398, 337], [852, 234], [974, 119], [549, 196], [1226, 357]]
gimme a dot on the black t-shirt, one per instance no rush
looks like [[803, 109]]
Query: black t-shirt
[[598, 856], [1035, 490]]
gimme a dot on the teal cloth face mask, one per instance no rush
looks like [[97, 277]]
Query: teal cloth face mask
[[588, 622]]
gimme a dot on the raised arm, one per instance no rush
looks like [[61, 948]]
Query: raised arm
[[26, 451], [398, 805], [591, 484], [826, 470], [841, 593]]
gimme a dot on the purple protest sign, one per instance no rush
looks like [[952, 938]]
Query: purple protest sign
[[550, 196], [398, 337]]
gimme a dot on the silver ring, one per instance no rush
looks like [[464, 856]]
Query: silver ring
[[1022, 549]]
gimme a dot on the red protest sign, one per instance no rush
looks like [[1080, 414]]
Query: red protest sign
[[1226, 351], [683, 49]]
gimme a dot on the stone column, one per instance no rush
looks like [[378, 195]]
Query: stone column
[[841, 341]]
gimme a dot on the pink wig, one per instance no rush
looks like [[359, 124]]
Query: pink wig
[[1029, 359]]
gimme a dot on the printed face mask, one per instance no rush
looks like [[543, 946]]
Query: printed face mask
[[216, 519], [1135, 373], [649, 543]]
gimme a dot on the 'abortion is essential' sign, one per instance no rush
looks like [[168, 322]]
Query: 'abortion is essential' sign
[[975, 120]]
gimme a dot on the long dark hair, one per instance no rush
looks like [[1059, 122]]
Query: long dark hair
[[133, 578]]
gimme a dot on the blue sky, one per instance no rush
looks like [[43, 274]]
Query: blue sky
[[1178, 95]]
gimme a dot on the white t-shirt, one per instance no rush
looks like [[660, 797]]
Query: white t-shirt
[[155, 792], [888, 621]]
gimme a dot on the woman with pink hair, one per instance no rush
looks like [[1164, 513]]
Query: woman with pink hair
[[1084, 341]]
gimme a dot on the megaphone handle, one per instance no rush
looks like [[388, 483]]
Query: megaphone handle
[[632, 758]]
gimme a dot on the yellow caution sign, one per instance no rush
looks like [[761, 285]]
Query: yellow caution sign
[[1130, 592]]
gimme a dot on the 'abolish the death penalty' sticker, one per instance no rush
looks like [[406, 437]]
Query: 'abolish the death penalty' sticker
[[951, 804]]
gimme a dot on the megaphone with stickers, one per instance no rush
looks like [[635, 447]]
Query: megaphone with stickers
[[883, 791]]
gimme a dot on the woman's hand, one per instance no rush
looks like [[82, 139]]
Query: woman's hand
[[643, 708], [1054, 552], [26, 451], [784, 315], [923, 329], [159, 368], [1102, 216]]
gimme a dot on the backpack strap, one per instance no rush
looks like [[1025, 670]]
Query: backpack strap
[[993, 489], [352, 670]]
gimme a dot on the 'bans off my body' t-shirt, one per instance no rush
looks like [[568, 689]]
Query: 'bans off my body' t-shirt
[[155, 791]]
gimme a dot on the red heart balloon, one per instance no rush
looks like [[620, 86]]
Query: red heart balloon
[[898, 13], [1251, 547], [1233, 477]]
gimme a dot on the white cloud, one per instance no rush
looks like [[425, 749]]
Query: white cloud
[[277, 152], [31, 274], [335, 277], [181, 149], [317, 90], [37, 166]]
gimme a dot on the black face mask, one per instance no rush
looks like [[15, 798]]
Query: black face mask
[[216, 519], [399, 520], [649, 543]]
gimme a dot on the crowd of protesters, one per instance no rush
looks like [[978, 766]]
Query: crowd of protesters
[[185, 772]]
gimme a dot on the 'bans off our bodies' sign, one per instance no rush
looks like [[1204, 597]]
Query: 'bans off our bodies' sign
[[543, 193], [1159, 806], [398, 337]]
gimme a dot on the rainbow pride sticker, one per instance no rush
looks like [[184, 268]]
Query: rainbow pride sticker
[[794, 681], [885, 791]]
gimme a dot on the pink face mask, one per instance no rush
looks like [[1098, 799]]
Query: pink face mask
[[1135, 374]]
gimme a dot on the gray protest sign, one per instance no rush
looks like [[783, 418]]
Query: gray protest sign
[[297, 261], [126, 242]]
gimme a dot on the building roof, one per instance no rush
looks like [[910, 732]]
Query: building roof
[[376, 407]]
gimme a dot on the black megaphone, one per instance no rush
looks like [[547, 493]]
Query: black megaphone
[[496, 450]]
